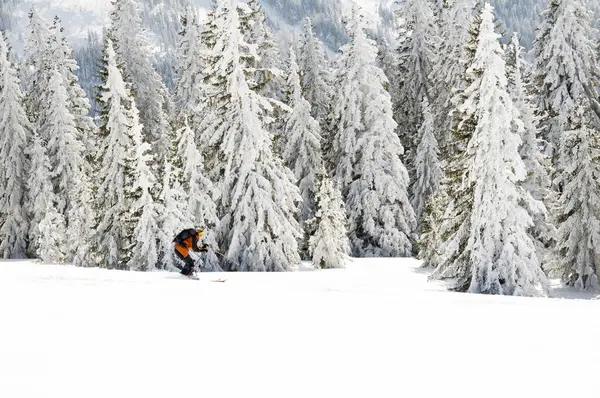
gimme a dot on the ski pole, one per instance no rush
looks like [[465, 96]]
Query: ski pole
[[226, 259]]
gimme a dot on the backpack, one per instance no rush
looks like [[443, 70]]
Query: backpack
[[183, 235]]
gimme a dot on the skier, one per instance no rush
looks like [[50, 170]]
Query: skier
[[185, 241]]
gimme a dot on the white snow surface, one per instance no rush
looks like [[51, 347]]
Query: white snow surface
[[374, 329]]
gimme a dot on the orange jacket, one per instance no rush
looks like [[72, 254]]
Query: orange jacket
[[188, 244]]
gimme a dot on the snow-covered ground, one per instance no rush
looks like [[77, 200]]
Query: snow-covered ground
[[375, 329]]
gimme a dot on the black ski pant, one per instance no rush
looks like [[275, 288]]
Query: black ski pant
[[189, 264]]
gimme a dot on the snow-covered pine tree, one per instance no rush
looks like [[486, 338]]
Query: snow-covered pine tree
[[143, 213], [415, 57], [538, 181], [116, 168], [314, 74], [577, 254], [366, 152], [200, 209], [502, 257], [448, 219], [37, 66], [566, 67], [188, 95], [47, 229], [15, 132], [428, 170], [150, 94], [79, 104], [302, 143], [329, 246], [448, 72], [57, 129], [257, 194], [80, 230]]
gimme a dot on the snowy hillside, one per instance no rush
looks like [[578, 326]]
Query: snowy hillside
[[376, 329]]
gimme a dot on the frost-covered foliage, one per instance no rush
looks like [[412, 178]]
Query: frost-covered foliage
[[416, 59], [577, 257], [314, 73], [537, 182], [302, 143], [329, 246], [116, 162], [143, 210], [149, 91], [257, 195], [200, 208], [81, 216], [47, 227], [15, 131], [366, 152], [447, 76], [502, 257], [428, 170], [566, 68]]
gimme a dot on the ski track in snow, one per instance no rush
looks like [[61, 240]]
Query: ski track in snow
[[375, 329]]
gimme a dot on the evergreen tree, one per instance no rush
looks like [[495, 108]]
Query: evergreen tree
[[303, 143], [366, 153], [329, 246], [81, 216], [15, 131], [537, 182], [65, 151], [415, 57], [501, 255], [151, 96], [577, 252], [428, 170], [115, 229], [566, 67], [257, 195], [143, 211], [47, 229], [201, 209], [314, 73]]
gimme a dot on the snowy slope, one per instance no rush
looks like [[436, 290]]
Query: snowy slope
[[376, 329]]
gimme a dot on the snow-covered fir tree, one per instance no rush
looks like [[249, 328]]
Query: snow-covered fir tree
[[566, 68], [143, 213], [537, 182], [15, 132], [366, 153], [47, 228], [314, 73], [257, 195], [116, 163], [428, 170], [79, 104], [577, 255], [501, 255], [329, 246], [415, 57], [81, 217], [447, 76], [151, 96], [187, 97], [200, 209], [302, 143], [57, 128]]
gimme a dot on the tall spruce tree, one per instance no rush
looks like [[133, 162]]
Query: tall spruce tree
[[566, 68], [416, 59], [15, 132], [257, 194], [366, 152], [150, 94], [501, 255], [114, 224], [537, 182]]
